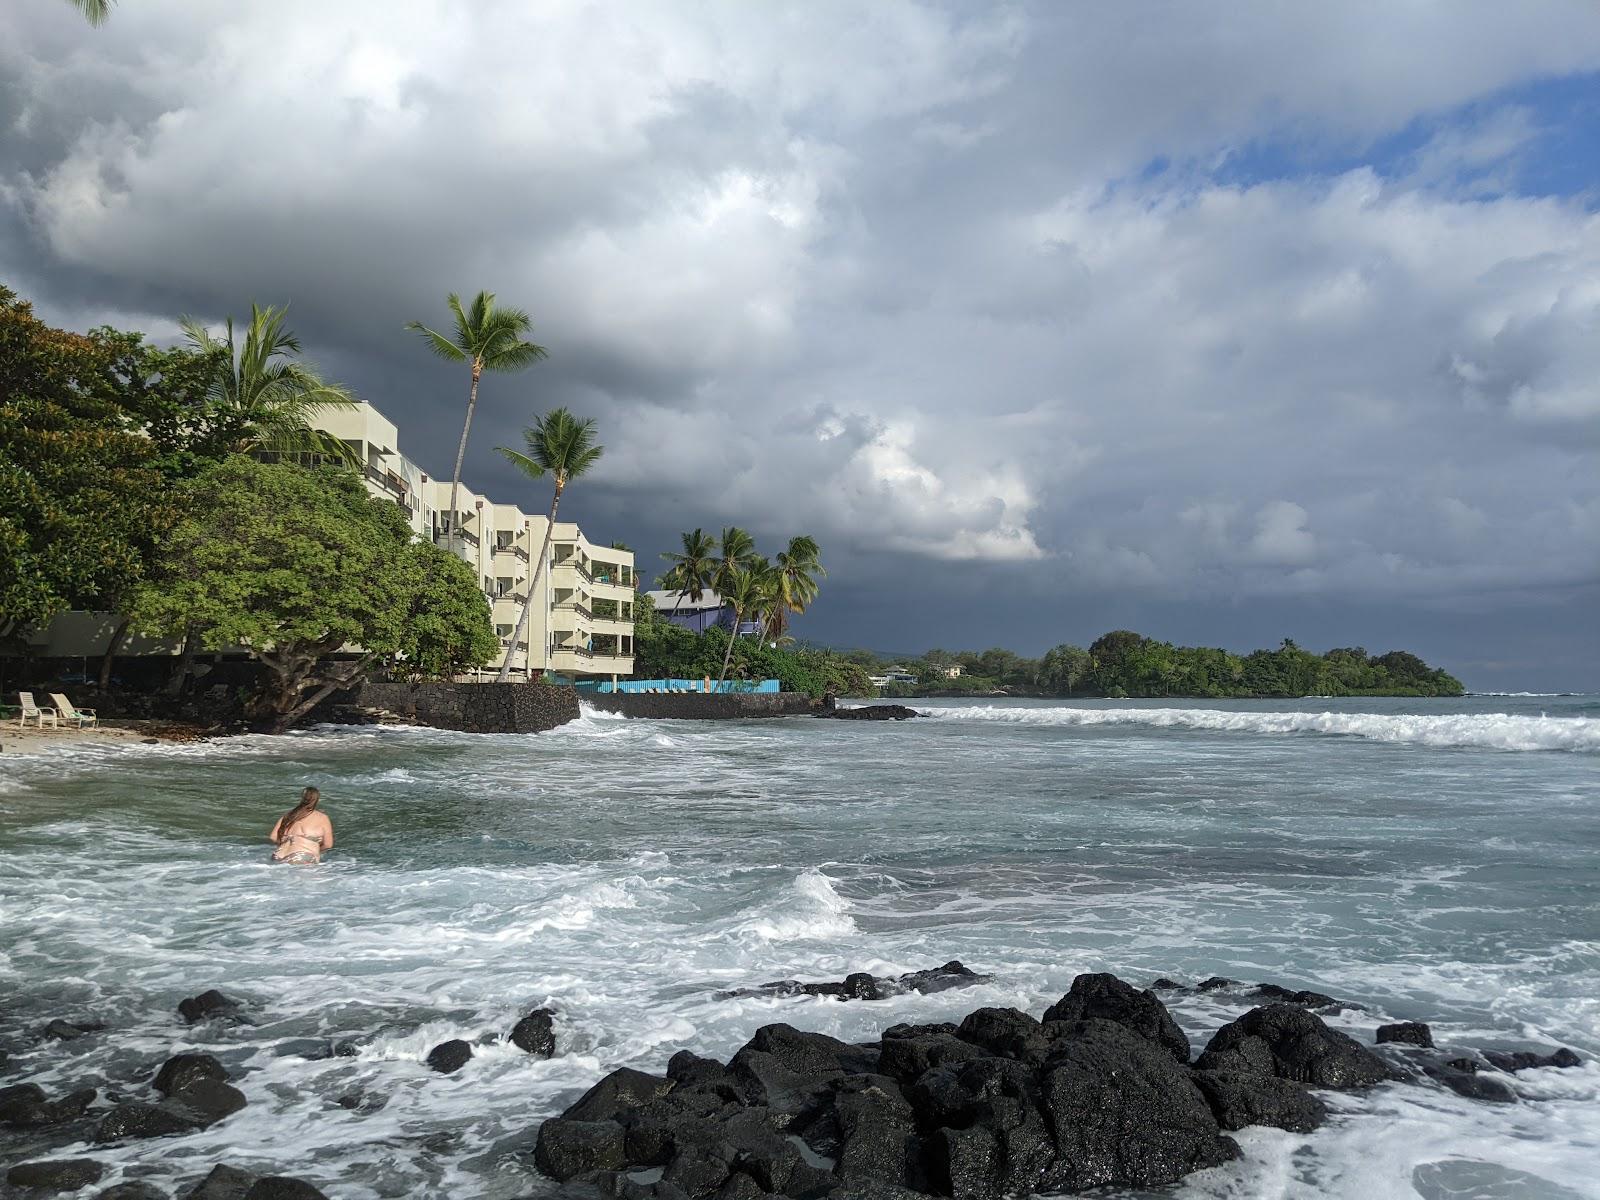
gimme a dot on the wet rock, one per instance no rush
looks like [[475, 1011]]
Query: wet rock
[[687, 1067], [209, 1100], [135, 1189], [991, 1136], [1469, 1083], [183, 1069], [910, 1050], [1523, 1060], [1271, 991], [449, 1057], [224, 1183], [875, 1131], [1108, 998], [1238, 1099], [282, 1187], [569, 1148], [870, 712], [24, 1106], [1291, 1043], [135, 1119], [861, 986], [1004, 1032], [618, 1092], [536, 1033], [786, 1069], [1408, 1033], [206, 1005], [66, 1031], [1166, 985], [1468, 1065], [362, 1102], [57, 1175], [1124, 1112], [1216, 983]]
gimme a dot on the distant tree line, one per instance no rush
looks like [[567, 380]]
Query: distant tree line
[[1124, 663]]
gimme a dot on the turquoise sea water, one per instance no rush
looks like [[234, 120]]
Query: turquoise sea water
[[1432, 860]]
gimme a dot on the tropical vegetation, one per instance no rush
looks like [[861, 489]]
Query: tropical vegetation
[[486, 337], [1124, 663], [562, 446]]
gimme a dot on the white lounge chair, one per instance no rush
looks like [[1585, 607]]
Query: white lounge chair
[[30, 709], [83, 716]]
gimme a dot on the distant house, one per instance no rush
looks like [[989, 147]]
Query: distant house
[[700, 615], [895, 674], [953, 671]]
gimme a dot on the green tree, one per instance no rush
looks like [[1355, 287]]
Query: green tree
[[261, 398], [94, 11], [317, 580], [563, 446], [83, 497], [745, 590], [445, 630], [736, 552], [1063, 670], [488, 338], [693, 568], [795, 580]]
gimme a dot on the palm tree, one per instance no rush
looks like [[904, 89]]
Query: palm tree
[[737, 551], [746, 590], [562, 445], [796, 569], [490, 338], [692, 570], [260, 397], [94, 11]]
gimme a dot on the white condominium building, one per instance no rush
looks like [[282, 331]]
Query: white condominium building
[[581, 623]]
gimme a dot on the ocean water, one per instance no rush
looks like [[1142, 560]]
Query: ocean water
[[1428, 859]]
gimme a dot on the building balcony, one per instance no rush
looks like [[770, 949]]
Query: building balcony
[[513, 549], [611, 626]]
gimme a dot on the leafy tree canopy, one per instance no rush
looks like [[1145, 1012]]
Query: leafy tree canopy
[[315, 578]]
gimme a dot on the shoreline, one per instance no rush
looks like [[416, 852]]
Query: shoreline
[[15, 739]]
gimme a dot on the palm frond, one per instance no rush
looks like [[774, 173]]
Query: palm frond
[[94, 11], [437, 342], [530, 467]]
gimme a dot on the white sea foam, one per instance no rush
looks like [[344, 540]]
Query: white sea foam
[[812, 910], [1494, 731]]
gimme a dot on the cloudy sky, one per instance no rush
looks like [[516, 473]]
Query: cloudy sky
[[1223, 322]]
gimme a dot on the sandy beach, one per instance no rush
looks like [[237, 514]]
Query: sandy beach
[[30, 740]]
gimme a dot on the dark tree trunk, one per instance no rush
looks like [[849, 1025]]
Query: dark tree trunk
[[180, 676], [118, 635]]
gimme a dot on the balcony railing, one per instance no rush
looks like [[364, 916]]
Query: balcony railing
[[573, 606], [576, 566], [512, 548]]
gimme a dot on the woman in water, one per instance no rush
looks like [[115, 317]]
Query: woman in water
[[302, 833]]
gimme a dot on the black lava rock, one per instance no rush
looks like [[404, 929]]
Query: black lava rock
[[1271, 991], [183, 1069], [618, 1092], [135, 1189], [785, 1069], [568, 1148], [59, 1175], [1522, 1060], [1239, 1098], [206, 1005], [282, 1187], [1003, 1032], [209, 1100], [536, 1033], [138, 1120], [1166, 985], [909, 1050], [449, 1057], [1123, 1111], [869, 712], [1216, 983], [1291, 1043], [1469, 1083], [24, 1106], [224, 1183], [1109, 999], [66, 1031], [1408, 1033], [862, 986]]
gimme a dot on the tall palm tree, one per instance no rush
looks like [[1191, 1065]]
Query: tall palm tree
[[796, 569], [736, 552], [693, 569], [561, 445], [260, 397], [94, 11], [490, 339], [746, 590]]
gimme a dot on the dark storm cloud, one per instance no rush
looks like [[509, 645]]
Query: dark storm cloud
[[975, 296]]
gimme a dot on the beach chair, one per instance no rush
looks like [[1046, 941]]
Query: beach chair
[[30, 709], [83, 716]]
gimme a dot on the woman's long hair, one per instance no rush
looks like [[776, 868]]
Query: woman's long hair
[[308, 804]]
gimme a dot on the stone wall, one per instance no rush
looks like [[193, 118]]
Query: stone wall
[[698, 706], [468, 707]]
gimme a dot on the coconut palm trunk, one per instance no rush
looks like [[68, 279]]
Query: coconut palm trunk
[[533, 586], [461, 455], [727, 654]]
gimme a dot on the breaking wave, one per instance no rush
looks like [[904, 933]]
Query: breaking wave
[[1493, 731]]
